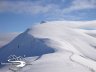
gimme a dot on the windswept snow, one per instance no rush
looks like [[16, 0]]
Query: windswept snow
[[55, 46]]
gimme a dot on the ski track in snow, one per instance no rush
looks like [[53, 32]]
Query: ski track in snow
[[77, 57], [85, 62]]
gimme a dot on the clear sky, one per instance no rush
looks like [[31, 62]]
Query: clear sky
[[18, 15]]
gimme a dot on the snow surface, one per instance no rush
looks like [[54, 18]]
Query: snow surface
[[55, 46]]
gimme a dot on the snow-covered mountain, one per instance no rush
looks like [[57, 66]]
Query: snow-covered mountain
[[25, 44], [57, 46]]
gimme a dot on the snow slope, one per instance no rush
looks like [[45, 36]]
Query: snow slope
[[55, 46]]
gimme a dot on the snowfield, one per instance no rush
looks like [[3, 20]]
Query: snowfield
[[54, 46]]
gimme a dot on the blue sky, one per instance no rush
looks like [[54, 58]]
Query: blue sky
[[17, 16]]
